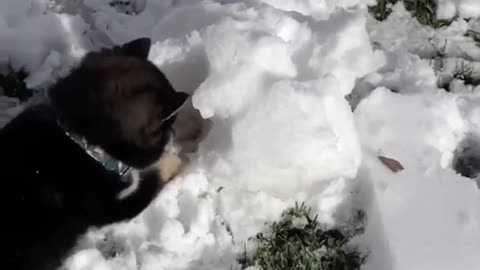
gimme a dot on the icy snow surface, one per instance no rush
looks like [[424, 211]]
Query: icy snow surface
[[272, 77], [462, 8]]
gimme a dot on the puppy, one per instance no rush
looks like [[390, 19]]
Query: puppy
[[54, 186]]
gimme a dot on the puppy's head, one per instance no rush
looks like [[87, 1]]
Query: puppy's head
[[118, 100]]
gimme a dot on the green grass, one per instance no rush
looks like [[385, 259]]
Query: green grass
[[423, 10], [382, 9], [297, 242], [12, 84]]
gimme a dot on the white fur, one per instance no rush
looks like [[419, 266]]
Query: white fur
[[133, 186]]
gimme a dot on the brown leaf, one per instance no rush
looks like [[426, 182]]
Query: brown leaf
[[392, 164]]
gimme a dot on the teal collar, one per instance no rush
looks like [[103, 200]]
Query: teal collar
[[103, 158], [99, 155]]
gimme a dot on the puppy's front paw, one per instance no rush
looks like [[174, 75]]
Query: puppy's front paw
[[169, 166]]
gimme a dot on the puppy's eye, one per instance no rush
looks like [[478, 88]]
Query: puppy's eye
[[158, 131], [152, 130]]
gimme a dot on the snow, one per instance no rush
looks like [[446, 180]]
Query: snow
[[425, 217], [428, 192], [270, 77], [464, 8]]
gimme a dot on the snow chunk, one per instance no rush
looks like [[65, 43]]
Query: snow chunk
[[316, 9], [426, 216], [417, 125], [90, 259], [431, 219], [447, 9], [314, 137]]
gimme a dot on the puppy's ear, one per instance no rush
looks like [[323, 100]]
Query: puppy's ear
[[177, 102], [137, 48], [179, 99]]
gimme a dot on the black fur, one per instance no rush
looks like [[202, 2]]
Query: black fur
[[52, 191], [122, 108]]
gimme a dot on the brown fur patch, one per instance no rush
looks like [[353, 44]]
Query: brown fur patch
[[169, 166]]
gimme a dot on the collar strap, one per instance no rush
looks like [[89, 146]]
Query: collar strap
[[103, 158], [99, 155]]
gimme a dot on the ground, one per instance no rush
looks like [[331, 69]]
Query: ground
[[301, 98]]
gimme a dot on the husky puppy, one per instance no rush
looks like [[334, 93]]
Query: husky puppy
[[54, 187]]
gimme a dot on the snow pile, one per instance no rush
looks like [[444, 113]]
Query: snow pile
[[422, 130], [463, 8], [427, 216], [316, 9], [44, 43]]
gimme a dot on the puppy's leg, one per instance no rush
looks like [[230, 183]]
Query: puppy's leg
[[169, 166], [144, 184], [165, 169], [116, 200], [170, 163]]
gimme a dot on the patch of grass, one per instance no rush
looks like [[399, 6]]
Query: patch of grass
[[124, 6], [12, 84], [382, 9], [423, 10], [298, 242]]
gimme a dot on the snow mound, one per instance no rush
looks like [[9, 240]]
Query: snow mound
[[427, 216], [316, 9], [448, 9], [425, 126]]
